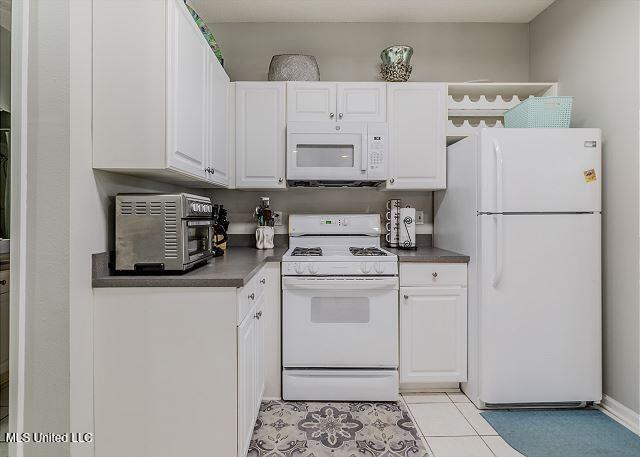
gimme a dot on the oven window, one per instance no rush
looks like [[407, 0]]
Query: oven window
[[340, 310], [197, 239], [325, 156]]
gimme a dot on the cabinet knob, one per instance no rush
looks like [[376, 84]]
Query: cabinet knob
[[392, 180], [434, 274], [263, 281], [280, 179], [340, 115], [406, 297], [331, 115], [252, 296], [258, 315]]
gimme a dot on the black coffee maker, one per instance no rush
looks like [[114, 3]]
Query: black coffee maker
[[220, 227]]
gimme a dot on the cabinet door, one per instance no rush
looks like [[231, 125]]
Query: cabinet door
[[186, 100], [433, 334], [362, 102], [259, 352], [417, 136], [311, 101], [217, 124], [260, 135], [246, 381]]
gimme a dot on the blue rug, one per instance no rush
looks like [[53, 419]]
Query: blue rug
[[564, 433]]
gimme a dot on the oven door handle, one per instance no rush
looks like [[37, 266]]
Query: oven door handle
[[340, 283]]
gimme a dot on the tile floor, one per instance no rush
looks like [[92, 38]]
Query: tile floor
[[452, 426]]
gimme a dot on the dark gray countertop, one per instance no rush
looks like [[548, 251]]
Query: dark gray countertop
[[428, 254], [234, 269]]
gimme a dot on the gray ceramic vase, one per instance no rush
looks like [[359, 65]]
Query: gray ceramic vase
[[293, 67]]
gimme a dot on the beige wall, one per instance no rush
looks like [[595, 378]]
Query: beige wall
[[351, 51], [591, 48]]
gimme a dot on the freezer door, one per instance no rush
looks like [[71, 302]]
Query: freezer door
[[539, 170], [540, 308]]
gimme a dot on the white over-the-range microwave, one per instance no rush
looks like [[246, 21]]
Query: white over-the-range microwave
[[336, 153]]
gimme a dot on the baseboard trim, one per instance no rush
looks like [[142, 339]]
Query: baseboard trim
[[620, 413]]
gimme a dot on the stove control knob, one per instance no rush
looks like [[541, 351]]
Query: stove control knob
[[365, 268], [378, 268], [313, 269], [298, 268]]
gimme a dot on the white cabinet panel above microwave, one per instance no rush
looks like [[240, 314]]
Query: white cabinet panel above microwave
[[330, 101], [362, 102], [311, 101]]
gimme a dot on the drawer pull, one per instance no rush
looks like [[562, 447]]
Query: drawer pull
[[434, 274], [3, 282], [252, 296]]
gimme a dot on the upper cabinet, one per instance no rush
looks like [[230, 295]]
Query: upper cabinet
[[218, 150], [327, 101], [417, 113], [260, 135], [160, 97]]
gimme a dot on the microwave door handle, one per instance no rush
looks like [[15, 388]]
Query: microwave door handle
[[364, 161]]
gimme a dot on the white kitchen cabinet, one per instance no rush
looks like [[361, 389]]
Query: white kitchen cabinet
[[218, 151], [187, 94], [247, 379], [362, 102], [417, 114], [260, 135], [202, 349], [156, 104], [330, 101], [433, 324]]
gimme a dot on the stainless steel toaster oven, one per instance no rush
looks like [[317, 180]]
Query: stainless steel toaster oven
[[162, 232]]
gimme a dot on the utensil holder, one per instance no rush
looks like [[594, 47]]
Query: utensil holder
[[264, 237]]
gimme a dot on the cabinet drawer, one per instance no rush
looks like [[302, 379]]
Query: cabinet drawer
[[433, 274], [249, 294]]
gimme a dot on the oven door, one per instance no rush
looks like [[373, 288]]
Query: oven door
[[340, 322], [326, 151], [196, 240]]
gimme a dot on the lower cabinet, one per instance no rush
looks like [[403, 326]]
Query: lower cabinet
[[180, 371], [433, 325], [250, 373]]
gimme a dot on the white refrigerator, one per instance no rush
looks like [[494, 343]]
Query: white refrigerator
[[525, 205]]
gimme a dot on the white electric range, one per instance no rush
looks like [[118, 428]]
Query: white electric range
[[339, 310]]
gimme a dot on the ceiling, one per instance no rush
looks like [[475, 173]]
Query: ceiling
[[522, 11]]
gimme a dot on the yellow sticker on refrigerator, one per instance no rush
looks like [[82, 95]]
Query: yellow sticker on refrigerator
[[590, 175]]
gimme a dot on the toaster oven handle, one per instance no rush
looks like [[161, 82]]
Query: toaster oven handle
[[148, 266]]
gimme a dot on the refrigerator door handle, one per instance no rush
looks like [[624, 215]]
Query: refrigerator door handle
[[497, 275], [499, 175]]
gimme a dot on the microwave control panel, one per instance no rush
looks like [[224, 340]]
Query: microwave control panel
[[377, 151]]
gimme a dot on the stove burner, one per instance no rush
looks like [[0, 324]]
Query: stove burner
[[316, 252], [367, 251]]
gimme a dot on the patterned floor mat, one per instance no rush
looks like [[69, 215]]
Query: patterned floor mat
[[318, 429]]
